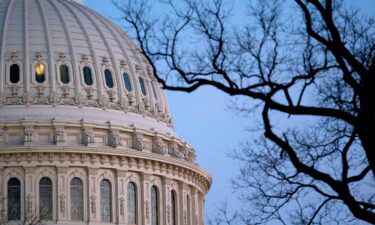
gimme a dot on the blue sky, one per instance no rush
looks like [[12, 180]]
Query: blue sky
[[202, 119]]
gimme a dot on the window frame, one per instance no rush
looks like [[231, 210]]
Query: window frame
[[143, 90], [104, 68], [110, 200], [20, 198], [136, 205], [58, 74], [46, 73], [130, 82], [93, 76], [157, 204], [83, 200], [52, 197]]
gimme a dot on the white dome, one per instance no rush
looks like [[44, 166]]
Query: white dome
[[67, 37]]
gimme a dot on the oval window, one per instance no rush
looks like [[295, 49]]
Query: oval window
[[143, 87], [87, 76], [128, 85], [108, 78], [64, 74], [154, 90], [14, 74], [40, 70]]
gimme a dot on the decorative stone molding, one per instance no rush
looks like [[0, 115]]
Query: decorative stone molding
[[159, 146], [28, 135], [59, 136], [88, 137], [138, 143], [114, 139]]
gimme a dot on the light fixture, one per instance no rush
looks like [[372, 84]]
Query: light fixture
[[39, 69]]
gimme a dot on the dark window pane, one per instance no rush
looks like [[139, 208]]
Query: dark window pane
[[132, 203], [64, 74], [174, 207], [14, 74], [154, 206], [87, 76], [40, 75], [45, 198], [105, 200], [143, 87], [108, 78], [128, 85], [76, 199], [154, 90], [14, 199]]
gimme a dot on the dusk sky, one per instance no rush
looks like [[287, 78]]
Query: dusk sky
[[203, 119]]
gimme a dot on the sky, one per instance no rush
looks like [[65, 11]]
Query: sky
[[202, 118]]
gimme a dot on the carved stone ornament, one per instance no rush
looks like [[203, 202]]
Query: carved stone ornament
[[138, 143], [14, 57], [14, 89], [62, 57], [88, 137], [114, 139], [29, 205], [93, 204], [174, 152], [122, 206], [28, 135], [62, 203], [147, 209], [2, 136], [159, 146], [59, 136], [185, 217], [131, 98], [169, 214]]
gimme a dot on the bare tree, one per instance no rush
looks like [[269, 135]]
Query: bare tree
[[30, 217], [309, 63]]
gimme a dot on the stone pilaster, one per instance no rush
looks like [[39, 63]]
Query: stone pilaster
[[120, 189], [29, 188], [62, 194], [93, 195], [146, 200]]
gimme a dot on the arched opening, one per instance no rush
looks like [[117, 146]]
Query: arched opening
[[105, 201], [45, 199], [76, 199], [64, 74], [132, 203], [14, 74], [87, 76], [108, 78], [40, 70], [14, 199], [128, 84], [174, 208], [143, 87], [154, 206]]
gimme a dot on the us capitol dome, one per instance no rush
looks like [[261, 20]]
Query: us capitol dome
[[86, 136]]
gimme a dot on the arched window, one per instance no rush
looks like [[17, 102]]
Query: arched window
[[128, 84], [143, 87], [87, 76], [45, 198], [40, 71], [105, 201], [154, 90], [132, 203], [108, 78], [174, 207], [64, 74], [76, 199], [154, 206], [14, 74], [14, 199]]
